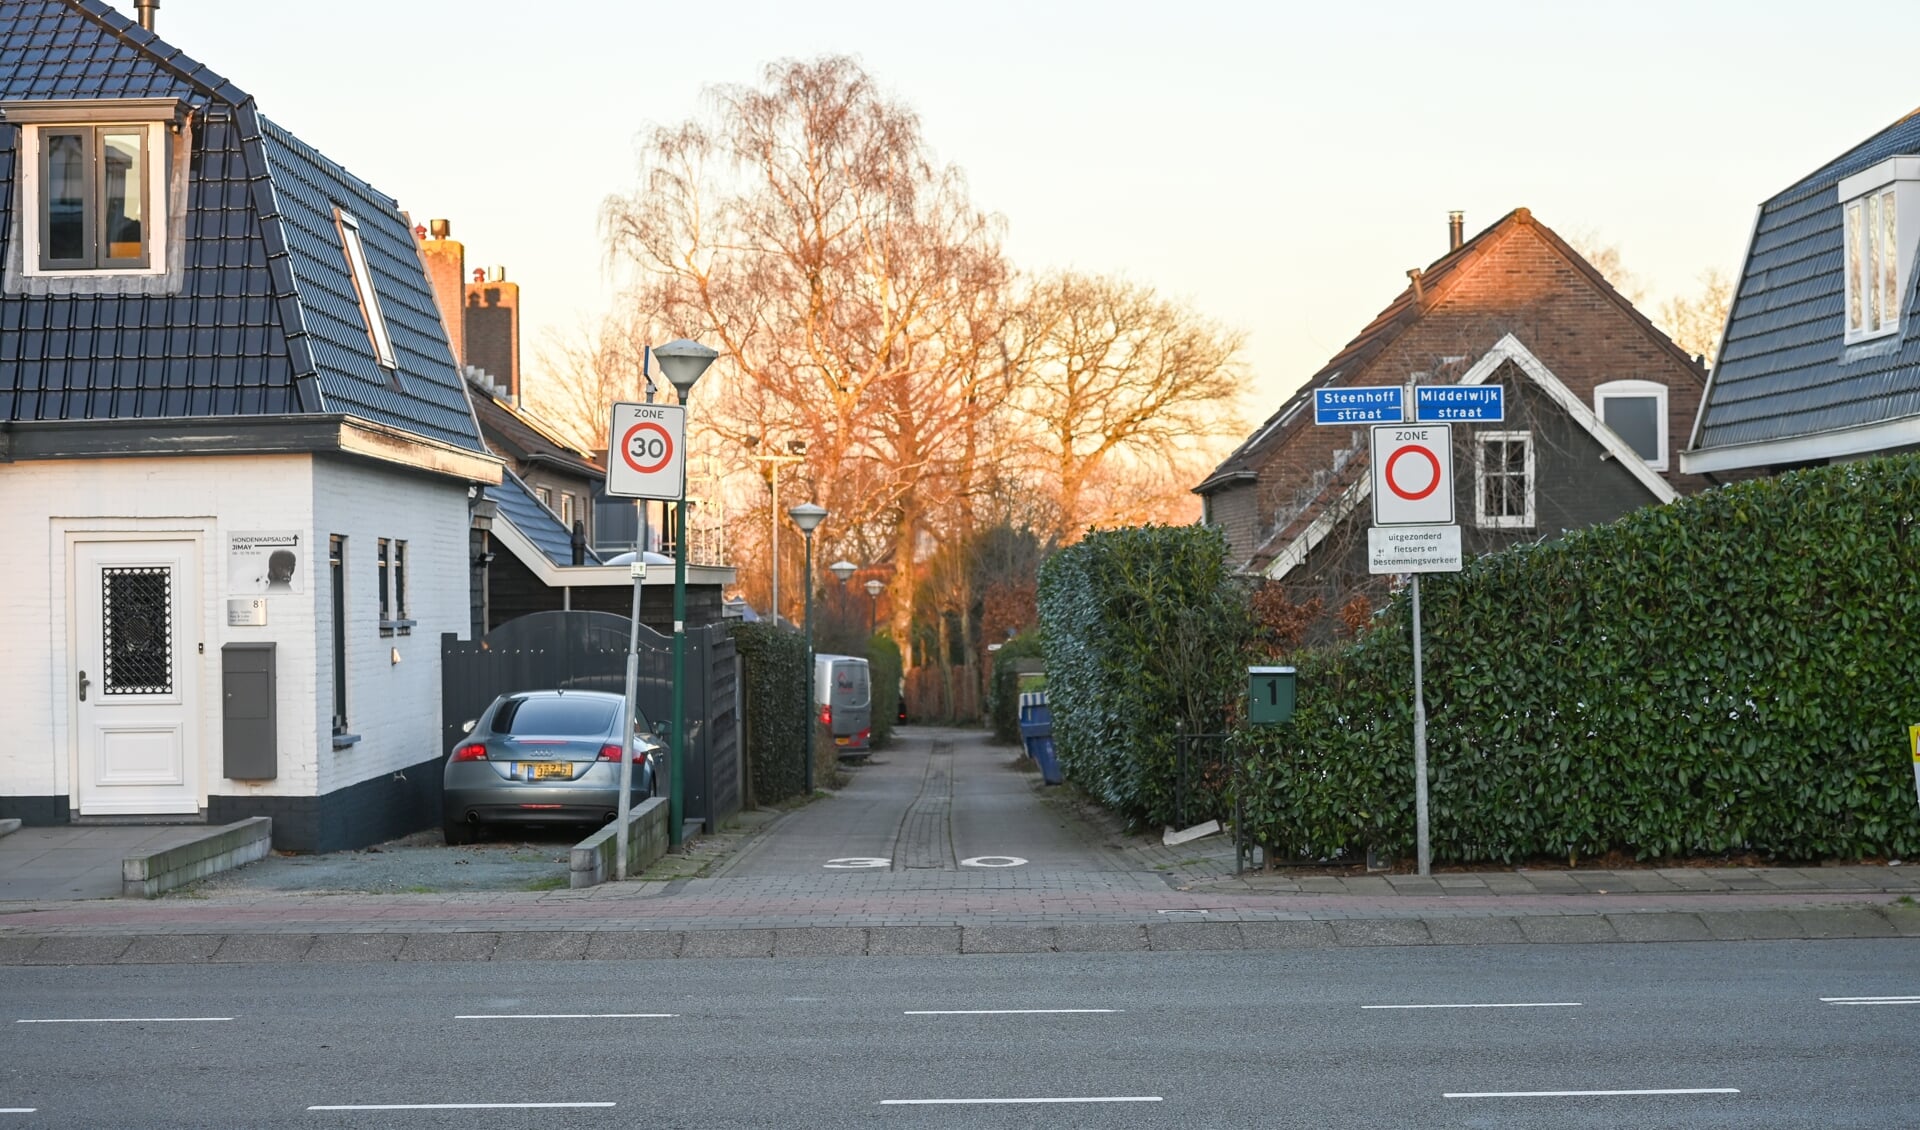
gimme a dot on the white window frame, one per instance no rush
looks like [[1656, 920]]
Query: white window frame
[[1634, 390], [364, 288], [158, 196], [1870, 261], [1488, 521]]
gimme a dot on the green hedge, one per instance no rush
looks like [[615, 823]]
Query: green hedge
[[1734, 672], [774, 662], [884, 667], [1144, 628], [1003, 692]]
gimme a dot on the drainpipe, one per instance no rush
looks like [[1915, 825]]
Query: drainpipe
[[146, 9]]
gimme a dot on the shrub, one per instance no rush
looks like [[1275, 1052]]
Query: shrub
[[884, 667], [1144, 629], [1003, 693], [777, 714], [1733, 672]]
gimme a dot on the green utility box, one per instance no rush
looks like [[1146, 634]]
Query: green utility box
[[1269, 695]]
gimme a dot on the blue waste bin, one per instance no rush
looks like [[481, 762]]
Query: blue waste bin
[[1036, 729]]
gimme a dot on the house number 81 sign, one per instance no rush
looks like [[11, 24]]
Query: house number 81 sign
[[646, 455]]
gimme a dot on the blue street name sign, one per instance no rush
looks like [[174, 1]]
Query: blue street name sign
[[1385, 405], [1451, 404]]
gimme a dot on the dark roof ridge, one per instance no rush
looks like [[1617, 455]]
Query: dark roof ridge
[[165, 55]]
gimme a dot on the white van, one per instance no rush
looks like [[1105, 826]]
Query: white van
[[843, 696]]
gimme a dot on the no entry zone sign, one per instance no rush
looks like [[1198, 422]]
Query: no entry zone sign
[[646, 452], [1412, 475]]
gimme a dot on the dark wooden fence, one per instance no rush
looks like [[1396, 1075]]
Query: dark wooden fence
[[588, 651]]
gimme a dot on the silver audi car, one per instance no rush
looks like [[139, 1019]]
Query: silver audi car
[[543, 757]]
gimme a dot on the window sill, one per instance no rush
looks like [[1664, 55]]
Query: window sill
[[397, 627], [343, 740]]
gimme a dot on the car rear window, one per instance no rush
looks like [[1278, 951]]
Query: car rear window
[[555, 717], [850, 684]]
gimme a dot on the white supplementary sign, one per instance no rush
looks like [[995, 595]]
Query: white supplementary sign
[[1413, 549], [1412, 475], [646, 456]]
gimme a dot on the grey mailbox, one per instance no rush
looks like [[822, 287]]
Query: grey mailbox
[[248, 713]]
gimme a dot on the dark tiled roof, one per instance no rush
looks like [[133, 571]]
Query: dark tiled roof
[[259, 325], [541, 527], [1388, 325], [514, 436], [1782, 370]]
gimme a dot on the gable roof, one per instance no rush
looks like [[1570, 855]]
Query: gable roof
[[517, 435], [266, 320], [1397, 318], [1786, 388], [538, 525], [1354, 485]]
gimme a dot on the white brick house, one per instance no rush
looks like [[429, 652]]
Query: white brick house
[[220, 429]]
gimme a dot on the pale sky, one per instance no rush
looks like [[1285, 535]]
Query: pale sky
[[1277, 166]]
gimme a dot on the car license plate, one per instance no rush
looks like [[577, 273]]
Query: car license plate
[[542, 770], [840, 741]]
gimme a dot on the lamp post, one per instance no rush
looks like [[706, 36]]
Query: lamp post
[[843, 569], [682, 361], [808, 515], [770, 464], [873, 602]]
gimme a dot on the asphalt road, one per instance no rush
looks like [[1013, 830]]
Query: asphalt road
[[1739, 1032]]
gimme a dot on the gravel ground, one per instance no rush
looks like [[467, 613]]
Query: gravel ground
[[418, 864], [533, 859]]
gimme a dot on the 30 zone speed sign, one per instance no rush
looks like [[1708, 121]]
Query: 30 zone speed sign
[[646, 455]]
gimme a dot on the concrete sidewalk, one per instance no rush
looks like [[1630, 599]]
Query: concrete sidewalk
[[1125, 893]]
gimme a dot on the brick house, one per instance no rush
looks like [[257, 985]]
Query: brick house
[[1820, 362], [1597, 403], [238, 467]]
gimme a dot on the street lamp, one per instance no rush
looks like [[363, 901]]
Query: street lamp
[[873, 602], [842, 570], [808, 515], [682, 361], [771, 463]]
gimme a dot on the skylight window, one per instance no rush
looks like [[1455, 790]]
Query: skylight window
[[363, 286]]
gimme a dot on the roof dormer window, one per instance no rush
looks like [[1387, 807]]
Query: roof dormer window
[[1879, 247], [95, 195]]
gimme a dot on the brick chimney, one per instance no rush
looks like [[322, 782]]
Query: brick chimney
[[493, 328], [446, 260]]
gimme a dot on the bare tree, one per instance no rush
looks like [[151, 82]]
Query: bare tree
[[1695, 323], [806, 231], [590, 371], [1113, 374]]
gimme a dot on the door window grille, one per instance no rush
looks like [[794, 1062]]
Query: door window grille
[[136, 630]]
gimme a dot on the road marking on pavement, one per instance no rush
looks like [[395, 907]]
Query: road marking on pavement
[[1000, 1011], [17, 1109], [1526, 1004], [1871, 1000], [567, 1016], [459, 1106], [1587, 1094], [127, 1020], [994, 861], [1008, 1102], [857, 862]]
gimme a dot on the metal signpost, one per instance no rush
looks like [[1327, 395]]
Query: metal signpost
[[647, 459], [1414, 533], [1913, 735]]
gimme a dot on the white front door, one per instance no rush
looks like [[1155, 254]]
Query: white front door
[[136, 608]]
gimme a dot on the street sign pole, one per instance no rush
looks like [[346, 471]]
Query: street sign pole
[[1421, 827]]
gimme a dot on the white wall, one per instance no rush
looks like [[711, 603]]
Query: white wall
[[43, 503], [393, 707]]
